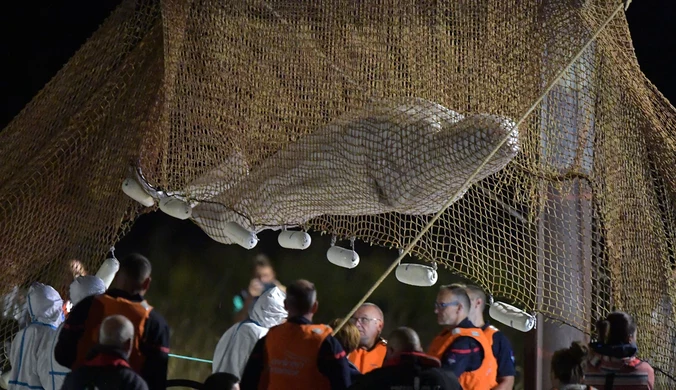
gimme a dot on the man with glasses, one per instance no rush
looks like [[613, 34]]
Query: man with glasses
[[462, 347], [372, 348]]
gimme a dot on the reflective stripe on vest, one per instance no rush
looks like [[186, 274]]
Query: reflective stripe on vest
[[484, 377], [369, 360], [103, 306], [291, 352]]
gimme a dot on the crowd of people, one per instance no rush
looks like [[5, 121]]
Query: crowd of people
[[112, 338]]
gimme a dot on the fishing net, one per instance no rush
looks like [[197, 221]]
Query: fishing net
[[362, 120]]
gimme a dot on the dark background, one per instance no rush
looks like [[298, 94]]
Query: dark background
[[195, 277]]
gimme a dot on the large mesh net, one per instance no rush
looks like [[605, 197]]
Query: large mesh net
[[363, 119]]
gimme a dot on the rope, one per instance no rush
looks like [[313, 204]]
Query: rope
[[530, 110], [190, 358]]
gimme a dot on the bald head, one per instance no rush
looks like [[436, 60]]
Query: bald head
[[369, 320], [117, 331], [301, 298], [373, 310], [404, 339]]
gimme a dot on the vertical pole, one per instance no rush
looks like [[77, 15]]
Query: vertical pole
[[564, 272], [564, 224]]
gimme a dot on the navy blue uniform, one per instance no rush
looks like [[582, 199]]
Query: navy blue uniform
[[502, 350]]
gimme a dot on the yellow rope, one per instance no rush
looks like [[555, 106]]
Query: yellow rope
[[429, 225]]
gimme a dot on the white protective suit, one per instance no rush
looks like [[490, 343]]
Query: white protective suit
[[82, 287], [29, 354], [236, 344]]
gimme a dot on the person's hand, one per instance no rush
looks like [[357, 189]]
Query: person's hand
[[255, 288]]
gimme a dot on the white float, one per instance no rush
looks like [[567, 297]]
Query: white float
[[342, 257], [417, 274], [133, 189], [239, 235], [294, 239], [108, 270], [512, 316], [175, 207]]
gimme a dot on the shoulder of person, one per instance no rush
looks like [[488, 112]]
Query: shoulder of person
[[644, 366], [81, 309], [134, 380], [86, 301], [444, 377], [464, 341], [333, 345], [250, 330], [157, 319], [499, 336], [321, 329]]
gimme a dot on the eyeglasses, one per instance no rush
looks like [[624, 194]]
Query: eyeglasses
[[363, 320], [441, 305]]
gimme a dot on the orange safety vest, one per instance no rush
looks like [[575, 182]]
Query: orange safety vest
[[489, 332], [483, 378], [291, 352], [103, 306], [369, 359]]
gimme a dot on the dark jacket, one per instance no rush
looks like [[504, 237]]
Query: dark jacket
[[331, 362], [154, 346], [403, 373], [105, 369], [354, 372]]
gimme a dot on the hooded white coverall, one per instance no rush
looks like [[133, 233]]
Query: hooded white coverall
[[236, 344], [82, 287], [29, 354]]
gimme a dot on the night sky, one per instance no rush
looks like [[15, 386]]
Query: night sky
[[40, 36]]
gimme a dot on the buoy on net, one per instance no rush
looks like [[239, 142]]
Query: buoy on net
[[294, 239], [238, 234], [416, 274], [134, 190], [108, 270], [342, 257], [512, 316], [175, 207]]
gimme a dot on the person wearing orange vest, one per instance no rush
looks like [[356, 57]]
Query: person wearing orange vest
[[462, 347], [297, 354], [372, 348], [150, 350], [500, 345]]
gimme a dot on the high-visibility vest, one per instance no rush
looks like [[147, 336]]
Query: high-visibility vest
[[291, 352], [484, 377], [369, 359], [103, 306]]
